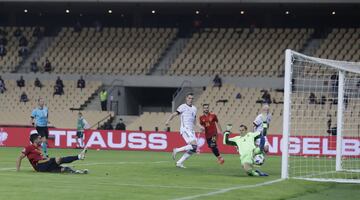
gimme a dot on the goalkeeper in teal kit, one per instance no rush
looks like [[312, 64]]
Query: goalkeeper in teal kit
[[245, 143]]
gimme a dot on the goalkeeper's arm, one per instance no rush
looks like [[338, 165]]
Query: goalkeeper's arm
[[226, 139]]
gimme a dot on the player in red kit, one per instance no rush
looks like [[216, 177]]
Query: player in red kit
[[211, 124], [42, 164]]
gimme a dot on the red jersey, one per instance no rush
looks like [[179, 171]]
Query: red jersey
[[33, 153], [208, 121]]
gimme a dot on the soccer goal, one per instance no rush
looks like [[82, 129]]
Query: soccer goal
[[321, 127]]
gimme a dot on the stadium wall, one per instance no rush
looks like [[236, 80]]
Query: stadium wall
[[166, 141], [159, 81]]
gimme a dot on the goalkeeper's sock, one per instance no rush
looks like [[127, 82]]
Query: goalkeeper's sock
[[257, 150], [184, 148], [44, 148], [261, 173], [252, 172]]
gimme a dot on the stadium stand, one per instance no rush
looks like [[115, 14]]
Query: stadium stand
[[244, 110], [130, 51], [12, 59], [14, 112], [341, 44], [239, 51]]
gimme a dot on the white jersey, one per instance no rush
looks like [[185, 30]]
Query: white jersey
[[258, 122], [187, 116]]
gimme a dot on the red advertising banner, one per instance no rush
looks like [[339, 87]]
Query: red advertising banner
[[166, 141]]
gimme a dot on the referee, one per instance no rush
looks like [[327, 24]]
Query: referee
[[39, 119]]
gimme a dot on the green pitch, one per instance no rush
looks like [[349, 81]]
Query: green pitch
[[149, 175]]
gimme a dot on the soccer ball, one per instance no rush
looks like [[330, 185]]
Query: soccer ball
[[259, 159]]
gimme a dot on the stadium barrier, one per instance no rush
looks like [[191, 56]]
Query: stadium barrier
[[166, 141]]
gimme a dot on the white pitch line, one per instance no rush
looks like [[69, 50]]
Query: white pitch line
[[6, 169], [229, 189], [135, 185]]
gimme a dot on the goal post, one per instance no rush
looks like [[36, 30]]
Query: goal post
[[321, 119]]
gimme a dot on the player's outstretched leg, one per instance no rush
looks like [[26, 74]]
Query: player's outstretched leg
[[70, 159], [180, 149], [186, 156]]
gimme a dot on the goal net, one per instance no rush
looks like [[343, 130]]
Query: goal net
[[321, 127]]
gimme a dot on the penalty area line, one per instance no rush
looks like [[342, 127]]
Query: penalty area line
[[224, 190]]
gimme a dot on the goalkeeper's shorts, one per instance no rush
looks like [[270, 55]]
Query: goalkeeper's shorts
[[246, 158]]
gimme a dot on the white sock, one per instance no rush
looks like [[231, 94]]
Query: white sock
[[183, 158], [81, 142], [184, 148]]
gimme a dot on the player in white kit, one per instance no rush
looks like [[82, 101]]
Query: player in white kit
[[187, 113], [261, 124]]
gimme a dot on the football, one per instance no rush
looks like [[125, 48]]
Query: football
[[259, 159]]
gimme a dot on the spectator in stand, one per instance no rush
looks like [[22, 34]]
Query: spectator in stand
[[81, 83], [21, 82], [217, 81], [346, 101], [57, 90], [34, 68], [3, 41], [238, 96], [98, 26], [37, 83], [47, 66], [24, 97], [59, 82], [17, 33], [266, 97], [23, 42], [312, 99], [120, 125], [2, 87], [2, 51], [103, 99], [2, 80], [329, 125], [323, 100], [37, 32], [108, 126], [334, 84], [77, 27], [23, 51]]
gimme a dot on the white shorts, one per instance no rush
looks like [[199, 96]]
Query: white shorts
[[188, 135], [257, 142]]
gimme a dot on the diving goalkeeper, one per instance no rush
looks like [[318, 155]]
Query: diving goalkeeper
[[246, 147]]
